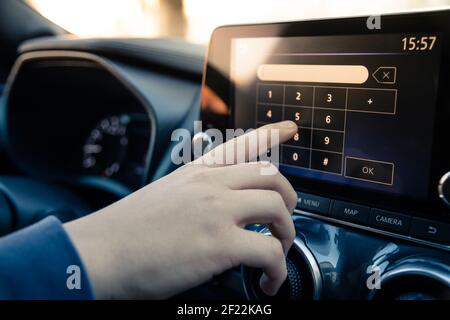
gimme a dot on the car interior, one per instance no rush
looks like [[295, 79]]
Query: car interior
[[87, 121]]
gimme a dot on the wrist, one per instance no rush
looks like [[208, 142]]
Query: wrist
[[97, 259]]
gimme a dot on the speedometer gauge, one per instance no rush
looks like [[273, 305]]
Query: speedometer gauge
[[117, 148], [106, 147]]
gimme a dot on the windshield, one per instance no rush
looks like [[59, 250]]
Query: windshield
[[194, 20]]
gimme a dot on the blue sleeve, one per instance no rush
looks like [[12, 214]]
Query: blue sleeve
[[40, 262]]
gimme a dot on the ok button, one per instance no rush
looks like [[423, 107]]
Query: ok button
[[369, 170]]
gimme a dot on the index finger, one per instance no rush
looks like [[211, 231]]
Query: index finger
[[250, 145]]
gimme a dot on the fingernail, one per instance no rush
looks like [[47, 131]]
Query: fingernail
[[266, 285], [287, 124]]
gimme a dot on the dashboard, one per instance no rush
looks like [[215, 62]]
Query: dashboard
[[86, 118], [369, 161], [364, 119], [87, 125], [370, 153]]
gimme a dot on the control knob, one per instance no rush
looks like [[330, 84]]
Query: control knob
[[444, 188]]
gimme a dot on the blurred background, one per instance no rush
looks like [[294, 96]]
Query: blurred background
[[194, 20]]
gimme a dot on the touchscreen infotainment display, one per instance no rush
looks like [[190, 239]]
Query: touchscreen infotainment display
[[364, 105]]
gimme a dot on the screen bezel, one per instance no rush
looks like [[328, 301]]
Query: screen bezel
[[217, 75]]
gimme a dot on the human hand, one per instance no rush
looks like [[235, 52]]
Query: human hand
[[183, 229]]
